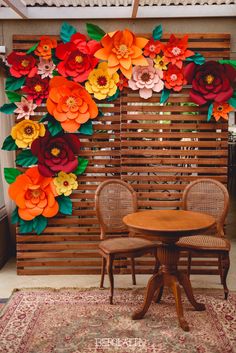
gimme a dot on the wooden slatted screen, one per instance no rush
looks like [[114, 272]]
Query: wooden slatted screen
[[158, 149]]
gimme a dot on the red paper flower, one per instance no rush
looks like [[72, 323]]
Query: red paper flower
[[45, 46], [77, 57], [211, 82], [57, 153], [152, 48], [22, 64], [123, 82], [174, 78], [36, 88], [175, 51]]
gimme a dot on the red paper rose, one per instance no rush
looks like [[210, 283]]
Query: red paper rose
[[36, 88], [22, 64], [57, 153], [174, 78], [77, 57], [211, 82]]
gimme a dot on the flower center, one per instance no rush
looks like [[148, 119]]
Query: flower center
[[123, 49], [176, 51], [47, 67], [25, 63], [45, 47], [78, 59], [220, 108], [145, 77], [25, 108], [209, 79], [65, 183], [152, 47], [38, 88], [55, 151], [71, 102], [28, 130], [173, 77], [161, 63], [36, 193], [102, 81]]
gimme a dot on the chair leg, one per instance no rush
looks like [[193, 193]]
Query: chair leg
[[225, 263], [189, 263], [103, 272], [133, 271], [111, 278], [220, 269], [157, 263]]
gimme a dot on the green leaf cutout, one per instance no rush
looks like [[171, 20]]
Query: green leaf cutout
[[39, 224], [82, 165], [210, 110], [95, 32], [87, 128], [45, 117], [230, 62], [100, 113], [65, 204], [26, 159], [26, 226], [13, 96], [15, 216], [232, 102], [157, 32], [11, 174], [13, 84], [197, 58], [164, 95], [54, 126], [9, 144], [66, 32], [8, 108], [114, 97], [32, 48]]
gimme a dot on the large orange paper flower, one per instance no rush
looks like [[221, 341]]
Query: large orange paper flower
[[44, 49], [70, 103], [176, 50], [221, 110], [121, 49], [34, 194]]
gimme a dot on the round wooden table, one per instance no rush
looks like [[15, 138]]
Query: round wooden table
[[168, 226]]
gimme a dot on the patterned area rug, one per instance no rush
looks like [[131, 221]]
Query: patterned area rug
[[82, 321]]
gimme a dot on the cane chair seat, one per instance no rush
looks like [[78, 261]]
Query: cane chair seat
[[204, 242], [115, 245]]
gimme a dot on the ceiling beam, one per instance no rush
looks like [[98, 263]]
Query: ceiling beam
[[18, 7], [135, 8]]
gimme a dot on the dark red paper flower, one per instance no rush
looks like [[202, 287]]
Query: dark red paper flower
[[57, 153], [22, 64], [123, 82], [77, 57], [174, 78], [176, 50], [36, 88], [211, 82], [152, 48]]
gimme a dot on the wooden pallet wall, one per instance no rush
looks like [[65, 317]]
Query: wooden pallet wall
[[158, 149]]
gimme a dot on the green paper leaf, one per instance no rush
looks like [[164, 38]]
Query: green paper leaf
[[55, 73], [15, 216], [26, 159], [114, 97], [164, 95], [65, 204], [210, 110], [232, 102], [32, 48], [39, 224], [100, 113], [54, 126], [81, 166], [11, 174], [87, 128], [45, 117], [157, 32], [66, 32], [95, 32], [230, 62], [13, 84], [13, 96], [197, 58], [26, 226], [8, 108], [9, 144]]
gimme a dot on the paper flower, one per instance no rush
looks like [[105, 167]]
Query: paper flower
[[25, 108], [147, 79], [26, 131], [101, 83], [70, 104], [22, 64], [152, 48], [175, 51], [221, 110], [211, 82], [121, 49], [56, 153], [36, 89], [45, 46], [160, 62], [174, 78], [65, 183], [34, 195], [122, 83], [45, 68], [77, 57]]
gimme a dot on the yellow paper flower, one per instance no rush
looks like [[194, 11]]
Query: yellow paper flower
[[101, 83], [160, 62], [26, 131], [65, 183]]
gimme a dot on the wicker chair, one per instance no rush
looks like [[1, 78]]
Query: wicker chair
[[114, 199], [208, 196]]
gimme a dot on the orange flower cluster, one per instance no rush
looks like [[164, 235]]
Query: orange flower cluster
[[45, 46]]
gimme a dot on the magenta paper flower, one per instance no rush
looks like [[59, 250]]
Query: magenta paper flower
[[45, 68], [25, 108], [147, 79]]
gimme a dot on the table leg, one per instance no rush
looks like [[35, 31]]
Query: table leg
[[185, 282]]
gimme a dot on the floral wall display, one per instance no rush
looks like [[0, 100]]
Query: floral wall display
[[69, 77]]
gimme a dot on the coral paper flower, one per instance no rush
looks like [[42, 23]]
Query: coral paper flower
[[147, 79], [221, 110], [152, 48], [25, 108], [77, 57], [26, 131], [70, 104], [101, 83], [174, 78], [211, 82], [34, 195], [65, 183], [160, 62], [36, 89], [121, 49], [57, 153], [22, 64], [45, 68], [45, 46], [123, 82], [175, 51]]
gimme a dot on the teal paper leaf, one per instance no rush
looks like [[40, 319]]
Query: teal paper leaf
[[157, 32], [230, 62], [15, 216], [210, 110], [232, 102], [82, 165], [26, 159], [54, 126], [26, 226], [66, 32], [164, 95], [95, 32], [11, 174], [13, 84], [39, 224], [100, 113], [13, 96], [8, 108], [197, 58], [46, 117], [32, 48], [65, 204], [9, 144], [55, 73], [114, 97], [87, 128]]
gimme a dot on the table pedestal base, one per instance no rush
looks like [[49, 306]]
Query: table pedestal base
[[169, 276]]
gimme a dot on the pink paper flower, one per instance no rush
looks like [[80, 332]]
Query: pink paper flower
[[25, 108], [147, 79], [45, 68]]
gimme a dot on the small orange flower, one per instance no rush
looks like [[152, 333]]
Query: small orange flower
[[221, 110], [44, 49]]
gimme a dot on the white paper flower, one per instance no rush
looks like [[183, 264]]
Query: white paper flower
[[25, 108], [45, 68]]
